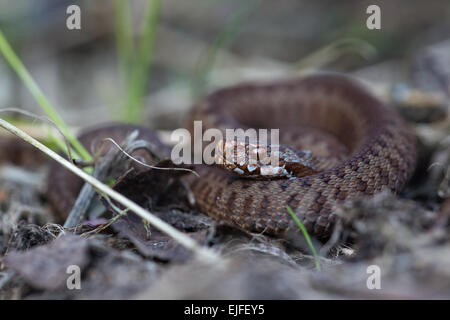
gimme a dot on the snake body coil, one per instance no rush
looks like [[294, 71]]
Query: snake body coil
[[366, 146]]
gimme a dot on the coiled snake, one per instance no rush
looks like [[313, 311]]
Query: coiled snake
[[365, 147]]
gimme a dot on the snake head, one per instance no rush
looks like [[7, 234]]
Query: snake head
[[251, 159]]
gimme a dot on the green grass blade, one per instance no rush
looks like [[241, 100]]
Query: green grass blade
[[225, 37], [332, 51], [124, 39], [306, 235], [39, 96], [140, 68]]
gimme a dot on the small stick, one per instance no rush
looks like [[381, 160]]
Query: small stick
[[113, 160], [5, 277], [105, 225], [202, 252]]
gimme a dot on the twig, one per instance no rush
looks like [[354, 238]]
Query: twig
[[105, 225], [444, 186], [5, 277], [52, 123], [112, 161], [189, 243], [147, 165], [337, 48]]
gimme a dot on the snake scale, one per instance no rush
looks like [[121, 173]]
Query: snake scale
[[368, 145]]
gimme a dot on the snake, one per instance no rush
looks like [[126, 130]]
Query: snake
[[363, 145]]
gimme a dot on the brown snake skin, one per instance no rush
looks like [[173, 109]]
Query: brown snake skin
[[368, 145]]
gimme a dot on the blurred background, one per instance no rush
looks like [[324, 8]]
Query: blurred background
[[147, 61]]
